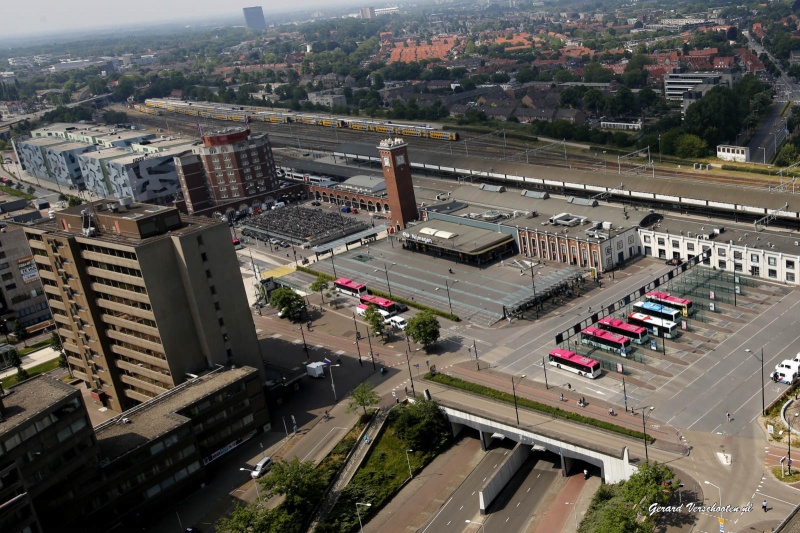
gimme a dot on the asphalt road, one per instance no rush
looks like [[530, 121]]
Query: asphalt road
[[464, 504], [515, 507]]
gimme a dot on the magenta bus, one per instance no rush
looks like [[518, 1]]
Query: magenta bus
[[381, 303], [637, 334], [583, 366], [681, 304], [605, 340], [348, 286]]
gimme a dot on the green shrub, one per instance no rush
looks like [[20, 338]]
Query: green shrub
[[555, 412]]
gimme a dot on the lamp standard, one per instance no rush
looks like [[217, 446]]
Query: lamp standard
[[360, 525], [386, 271], [305, 346], [514, 391], [475, 347], [477, 523], [447, 287], [410, 474], [333, 265], [791, 422], [720, 496], [644, 430], [763, 404], [333, 387], [408, 362], [659, 148], [258, 493]]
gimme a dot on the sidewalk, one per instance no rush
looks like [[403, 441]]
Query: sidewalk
[[32, 359]]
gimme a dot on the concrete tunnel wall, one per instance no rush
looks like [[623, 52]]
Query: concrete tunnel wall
[[614, 463], [503, 475]]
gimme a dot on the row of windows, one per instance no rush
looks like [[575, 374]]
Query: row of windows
[[35, 308], [722, 252], [226, 431], [130, 318], [125, 301], [132, 333], [40, 424], [108, 251], [171, 480], [118, 284], [115, 268]]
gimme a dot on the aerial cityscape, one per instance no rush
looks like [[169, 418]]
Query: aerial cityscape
[[443, 266]]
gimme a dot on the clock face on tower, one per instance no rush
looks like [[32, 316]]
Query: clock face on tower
[[400, 160], [386, 161]]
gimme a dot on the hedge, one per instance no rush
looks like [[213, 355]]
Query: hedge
[[555, 412], [410, 303], [753, 170]]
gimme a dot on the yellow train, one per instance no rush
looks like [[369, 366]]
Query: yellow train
[[234, 113]]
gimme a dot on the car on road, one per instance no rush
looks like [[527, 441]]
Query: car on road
[[261, 468], [274, 241], [285, 244]]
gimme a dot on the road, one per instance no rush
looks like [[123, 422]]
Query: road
[[519, 503], [464, 504]]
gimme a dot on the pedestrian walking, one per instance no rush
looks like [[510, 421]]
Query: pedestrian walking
[[728, 416], [764, 506], [590, 309], [585, 474], [406, 390], [569, 386]]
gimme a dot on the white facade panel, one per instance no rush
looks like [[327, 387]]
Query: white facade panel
[[694, 201]]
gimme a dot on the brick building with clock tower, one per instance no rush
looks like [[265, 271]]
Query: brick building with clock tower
[[399, 188]]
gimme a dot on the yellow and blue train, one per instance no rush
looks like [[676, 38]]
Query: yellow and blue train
[[237, 113]]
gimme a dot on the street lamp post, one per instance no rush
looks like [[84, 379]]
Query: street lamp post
[[305, 346], [447, 287], [333, 387], [514, 391], [410, 474], [333, 265], [791, 423], [644, 431], [258, 493], [386, 271], [475, 348], [360, 525], [720, 497], [476, 523], [408, 362], [763, 404]]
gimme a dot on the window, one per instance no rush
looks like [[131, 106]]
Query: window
[[722, 252], [200, 240], [790, 264], [790, 276], [737, 267], [221, 322], [722, 264], [690, 246], [772, 273], [675, 243], [754, 258], [8, 275], [661, 241], [772, 261], [203, 256], [647, 238], [11, 286], [737, 255], [208, 273]]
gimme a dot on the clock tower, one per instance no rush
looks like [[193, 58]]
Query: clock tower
[[400, 189]]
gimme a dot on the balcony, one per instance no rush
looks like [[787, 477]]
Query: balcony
[[124, 293], [122, 308], [130, 324], [136, 341], [133, 354], [143, 385], [166, 379]]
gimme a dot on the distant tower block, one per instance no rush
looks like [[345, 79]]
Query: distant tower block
[[397, 173]]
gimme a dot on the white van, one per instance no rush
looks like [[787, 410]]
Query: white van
[[788, 365], [784, 376], [398, 322], [261, 468], [361, 309]]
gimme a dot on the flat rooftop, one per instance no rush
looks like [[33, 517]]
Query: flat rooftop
[[453, 236], [31, 397], [159, 416]]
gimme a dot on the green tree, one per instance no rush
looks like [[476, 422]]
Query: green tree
[[22, 374], [115, 117], [362, 396], [647, 486], [688, 146], [30, 189], [375, 320], [20, 332], [320, 285], [298, 482], [422, 425], [14, 358], [423, 328], [288, 302], [787, 155]]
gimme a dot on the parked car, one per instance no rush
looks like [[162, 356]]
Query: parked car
[[261, 468], [285, 244], [274, 241]]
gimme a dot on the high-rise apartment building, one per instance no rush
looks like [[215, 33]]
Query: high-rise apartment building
[[367, 12], [21, 294], [230, 167], [142, 297], [254, 18]]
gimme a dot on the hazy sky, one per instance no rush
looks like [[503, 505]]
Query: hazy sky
[[20, 19]]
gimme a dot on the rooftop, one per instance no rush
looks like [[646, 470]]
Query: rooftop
[[450, 235], [158, 416], [31, 397]]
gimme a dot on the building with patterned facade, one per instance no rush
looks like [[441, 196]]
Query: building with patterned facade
[[230, 167], [142, 297]]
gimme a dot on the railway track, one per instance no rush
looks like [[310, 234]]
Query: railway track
[[307, 138]]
